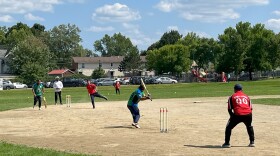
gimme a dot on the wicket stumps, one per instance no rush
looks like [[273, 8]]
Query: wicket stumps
[[163, 120], [68, 100]]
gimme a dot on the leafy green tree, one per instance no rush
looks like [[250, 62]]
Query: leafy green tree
[[98, 73], [168, 38], [37, 29], [30, 59], [172, 59], [192, 41], [16, 34], [206, 51], [256, 56], [274, 51], [63, 42], [131, 62], [235, 44], [245, 48], [3, 31], [117, 45]]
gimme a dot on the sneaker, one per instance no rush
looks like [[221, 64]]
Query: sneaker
[[252, 144], [105, 98], [55, 104], [226, 145], [135, 125], [39, 108]]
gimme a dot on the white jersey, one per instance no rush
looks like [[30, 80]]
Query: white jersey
[[57, 85]]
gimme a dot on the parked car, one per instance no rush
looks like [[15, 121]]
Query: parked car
[[7, 85], [106, 82], [19, 85], [72, 82], [164, 80], [125, 81]]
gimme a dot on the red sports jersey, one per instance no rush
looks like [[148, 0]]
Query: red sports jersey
[[240, 103], [91, 88], [117, 85]]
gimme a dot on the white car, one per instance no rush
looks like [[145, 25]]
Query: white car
[[19, 85]]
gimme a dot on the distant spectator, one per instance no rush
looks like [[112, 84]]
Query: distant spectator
[[117, 87], [228, 77]]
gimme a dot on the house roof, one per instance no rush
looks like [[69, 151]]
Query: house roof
[[59, 71], [112, 59]]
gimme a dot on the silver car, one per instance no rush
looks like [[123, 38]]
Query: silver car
[[106, 82], [7, 85], [165, 80]]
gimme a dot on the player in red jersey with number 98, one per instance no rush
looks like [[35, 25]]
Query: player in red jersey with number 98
[[240, 110]]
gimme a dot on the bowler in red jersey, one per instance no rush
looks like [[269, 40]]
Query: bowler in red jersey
[[93, 93], [240, 110]]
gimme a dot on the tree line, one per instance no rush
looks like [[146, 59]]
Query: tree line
[[33, 51]]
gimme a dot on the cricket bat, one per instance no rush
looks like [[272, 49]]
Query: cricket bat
[[45, 102], [142, 82]]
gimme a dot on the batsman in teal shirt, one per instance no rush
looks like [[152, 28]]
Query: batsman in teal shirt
[[132, 104], [38, 91]]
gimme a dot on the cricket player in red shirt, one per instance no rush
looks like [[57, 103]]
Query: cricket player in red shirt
[[241, 105], [117, 87], [93, 93]]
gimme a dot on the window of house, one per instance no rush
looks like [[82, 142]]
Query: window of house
[[83, 65]]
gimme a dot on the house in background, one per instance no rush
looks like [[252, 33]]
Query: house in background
[[61, 73], [3, 65], [4, 68], [86, 65]]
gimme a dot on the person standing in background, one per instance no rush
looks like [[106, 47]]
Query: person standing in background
[[57, 85], [117, 87]]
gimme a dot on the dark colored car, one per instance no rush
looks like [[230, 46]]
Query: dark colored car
[[72, 82]]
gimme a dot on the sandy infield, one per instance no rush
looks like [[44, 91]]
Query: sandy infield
[[196, 127]]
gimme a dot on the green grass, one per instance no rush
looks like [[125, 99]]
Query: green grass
[[267, 101], [13, 99], [7, 149]]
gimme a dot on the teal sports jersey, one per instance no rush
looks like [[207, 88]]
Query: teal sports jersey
[[38, 89], [135, 97]]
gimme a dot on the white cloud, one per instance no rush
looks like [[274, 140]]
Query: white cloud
[[115, 13], [6, 18], [22, 7], [100, 29], [172, 28], [277, 12], [273, 23], [31, 17], [136, 36], [207, 11]]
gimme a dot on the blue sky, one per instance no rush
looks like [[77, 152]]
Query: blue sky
[[143, 21]]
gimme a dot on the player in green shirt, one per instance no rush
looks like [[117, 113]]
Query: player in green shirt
[[38, 91]]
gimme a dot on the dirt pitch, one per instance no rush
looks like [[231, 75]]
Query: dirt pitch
[[196, 127]]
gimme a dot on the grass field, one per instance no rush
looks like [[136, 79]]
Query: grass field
[[13, 99]]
